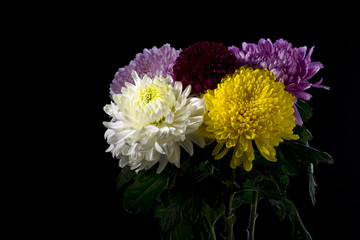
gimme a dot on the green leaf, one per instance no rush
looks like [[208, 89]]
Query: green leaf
[[197, 177], [288, 164], [126, 175], [182, 204], [247, 186], [244, 196], [284, 207], [183, 231], [142, 194], [312, 183], [159, 211], [272, 188], [304, 154], [171, 217], [184, 201], [284, 165], [213, 215], [304, 109], [303, 133], [192, 206], [274, 183], [199, 184]]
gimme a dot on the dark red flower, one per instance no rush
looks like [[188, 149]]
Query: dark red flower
[[202, 65]]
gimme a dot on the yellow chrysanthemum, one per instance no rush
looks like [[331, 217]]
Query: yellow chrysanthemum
[[249, 105]]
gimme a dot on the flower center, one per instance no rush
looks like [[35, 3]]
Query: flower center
[[147, 95], [152, 101]]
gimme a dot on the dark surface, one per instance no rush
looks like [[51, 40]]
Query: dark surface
[[73, 191]]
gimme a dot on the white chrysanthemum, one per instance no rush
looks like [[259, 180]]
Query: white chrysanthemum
[[152, 118]]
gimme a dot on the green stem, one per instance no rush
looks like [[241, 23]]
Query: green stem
[[253, 215], [213, 235], [229, 212]]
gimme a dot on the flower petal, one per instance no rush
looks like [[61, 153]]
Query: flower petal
[[158, 148], [188, 146], [175, 156]]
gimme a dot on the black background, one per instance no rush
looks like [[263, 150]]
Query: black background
[[72, 191]]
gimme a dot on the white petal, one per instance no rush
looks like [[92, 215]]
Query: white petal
[[128, 89], [111, 147], [198, 140], [113, 125], [175, 157], [182, 109], [152, 155], [162, 164], [183, 117], [147, 165], [164, 132], [158, 148], [124, 160], [177, 89], [136, 165], [111, 109], [120, 136], [136, 78], [196, 119], [187, 91], [118, 98], [168, 79], [155, 130], [133, 149], [168, 147], [188, 146], [117, 150], [169, 117], [108, 133], [177, 106]]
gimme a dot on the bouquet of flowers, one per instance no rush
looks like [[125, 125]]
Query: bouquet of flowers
[[201, 131]]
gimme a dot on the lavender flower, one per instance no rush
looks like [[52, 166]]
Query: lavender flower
[[150, 62], [291, 66]]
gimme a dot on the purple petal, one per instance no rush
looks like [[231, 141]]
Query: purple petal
[[313, 68], [303, 95], [317, 85], [298, 120]]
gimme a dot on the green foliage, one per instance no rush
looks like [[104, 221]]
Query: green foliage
[[141, 195], [312, 183], [188, 201], [304, 109], [304, 154], [284, 207], [126, 175], [183, 230]]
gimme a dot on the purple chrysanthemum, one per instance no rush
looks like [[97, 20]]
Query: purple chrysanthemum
[[150, 62], [291, 66], [202, 65]]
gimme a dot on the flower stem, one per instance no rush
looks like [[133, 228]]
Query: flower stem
[[229, 212], [213, 235], [253, 215]]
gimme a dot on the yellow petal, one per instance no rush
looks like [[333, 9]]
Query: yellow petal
[[235, 161], [247, 164], [222, 154], [250, 152], [267, 151], [217, 148], [231, 143]]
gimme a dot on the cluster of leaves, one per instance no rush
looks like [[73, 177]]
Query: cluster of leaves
[[182, 199], [189, 200]]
